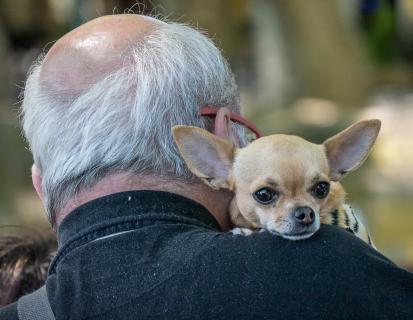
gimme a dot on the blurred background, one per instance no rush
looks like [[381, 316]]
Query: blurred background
[[308, 68]]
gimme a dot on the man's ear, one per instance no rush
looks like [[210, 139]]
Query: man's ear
[[207, 156], [347, 150], [222, 126], [37, 181]]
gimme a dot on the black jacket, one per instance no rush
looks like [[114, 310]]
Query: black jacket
[[155, 255]]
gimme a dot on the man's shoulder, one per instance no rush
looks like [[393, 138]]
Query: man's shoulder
[[9, 312], [328, 240], [331, 252], [333, 268]]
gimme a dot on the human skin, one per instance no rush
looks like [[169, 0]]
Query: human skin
[[96, 47]]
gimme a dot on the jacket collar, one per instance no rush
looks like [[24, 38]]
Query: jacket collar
[[132, 205]]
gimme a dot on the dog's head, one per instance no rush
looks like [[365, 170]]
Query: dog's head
[[281, 182]]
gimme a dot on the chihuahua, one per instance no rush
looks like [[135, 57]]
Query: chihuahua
[[282, 183]]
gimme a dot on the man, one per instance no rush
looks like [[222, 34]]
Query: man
[[139, 236]]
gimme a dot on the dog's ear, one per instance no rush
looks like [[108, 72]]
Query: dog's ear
[[347, 150], [207, 156]]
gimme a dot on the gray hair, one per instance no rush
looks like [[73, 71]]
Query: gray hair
[[123, 122]]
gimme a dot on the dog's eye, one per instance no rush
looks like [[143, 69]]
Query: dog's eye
[[321, 189], [265, 195]]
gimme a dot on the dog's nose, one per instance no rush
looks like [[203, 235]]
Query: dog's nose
[[304, 215]]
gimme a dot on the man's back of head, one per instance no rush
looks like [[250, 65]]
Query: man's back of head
[[105, 97]]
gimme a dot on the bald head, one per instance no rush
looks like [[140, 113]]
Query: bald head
[[88, 53]]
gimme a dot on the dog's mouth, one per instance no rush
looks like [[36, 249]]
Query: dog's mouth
[[292, 230], [298, 236]]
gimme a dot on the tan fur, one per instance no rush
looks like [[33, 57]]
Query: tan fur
[[288, 164]]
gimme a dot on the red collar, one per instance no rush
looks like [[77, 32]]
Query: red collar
[[212, 111]]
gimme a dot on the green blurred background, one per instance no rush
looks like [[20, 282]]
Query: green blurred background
[[303, 67]]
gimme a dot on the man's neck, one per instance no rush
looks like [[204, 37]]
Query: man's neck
[[216, 201]]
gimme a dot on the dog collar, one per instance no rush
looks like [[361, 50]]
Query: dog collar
[[211, 111]]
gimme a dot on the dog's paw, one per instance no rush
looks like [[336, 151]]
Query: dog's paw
[[242, 231]]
